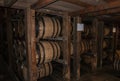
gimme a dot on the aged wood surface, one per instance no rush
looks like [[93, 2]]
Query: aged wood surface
[[78, 2], [31, 55], [42, 3], [9, 3], [107, 6], [67, 44]]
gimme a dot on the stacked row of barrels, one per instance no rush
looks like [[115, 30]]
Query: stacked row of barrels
[[19, 45], [117, 60], [47, 50], [107, 33], [113, 55], [86, 45], [87, 30]]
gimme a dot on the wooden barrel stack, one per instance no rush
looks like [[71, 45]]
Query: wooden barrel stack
[[47, 50], [47, 27], [20, 51], [106, 42], [87, 30], [85, 51], [45, 69], [107, 31], [19, 45], [117, 60], [85, 46]]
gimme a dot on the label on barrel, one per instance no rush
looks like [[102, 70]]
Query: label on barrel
[[80, 27], [114, 30]]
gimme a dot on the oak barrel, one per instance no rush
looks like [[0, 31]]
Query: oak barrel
[[47, 51], [42, 71], [45, 70], [19, 50], [21, 28], [85, 45], [87, 30], [104, 55], [105, 43], [47, 27], [18, 28], [106, 31]]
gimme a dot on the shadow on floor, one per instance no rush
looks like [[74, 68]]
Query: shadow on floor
[[4, 73]]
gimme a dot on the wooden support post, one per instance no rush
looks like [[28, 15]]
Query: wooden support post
[[117, 37], [30, 42], [67, 46], [114, 42], [76, 46], [100, 43], [9, 36], [95, 43]]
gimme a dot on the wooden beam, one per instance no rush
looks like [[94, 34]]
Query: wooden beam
[[109, 0], [100, 43], [30, 42], [78, 2], [95, 25], [52, 12], [9, 3], [103, 12], [42, 3], [66, 46], [21, 5], [76, 47], [110, 19], [107, 6]]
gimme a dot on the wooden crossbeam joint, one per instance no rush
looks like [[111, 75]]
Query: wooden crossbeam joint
[[42, 3], [107, 6], [9, 3], [78, 2]]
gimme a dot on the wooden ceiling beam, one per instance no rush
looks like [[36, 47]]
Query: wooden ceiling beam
[[42, 3], [110, 19], [9, 3], [21, 5], [103, 12], [78, 2], [109, 0], [107, 6]]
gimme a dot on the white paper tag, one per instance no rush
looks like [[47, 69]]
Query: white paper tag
[[114, 30], [80, 27]]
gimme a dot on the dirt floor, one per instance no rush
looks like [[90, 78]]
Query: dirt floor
[[106, 74], [99, 77], [4, 73]]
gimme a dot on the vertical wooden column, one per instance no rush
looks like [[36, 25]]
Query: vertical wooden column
[[95, 43], [67, 46], [76, 46], [100, 43], [30, 42], [114, 42], [9, 37], [117, 36]]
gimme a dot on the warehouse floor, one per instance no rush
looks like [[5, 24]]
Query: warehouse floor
[[100, 76], [4, 73], [106, 74]]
